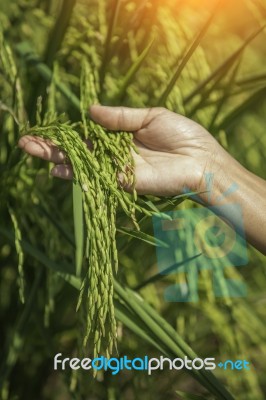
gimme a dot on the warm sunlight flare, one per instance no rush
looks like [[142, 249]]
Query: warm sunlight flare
[[132, 199]]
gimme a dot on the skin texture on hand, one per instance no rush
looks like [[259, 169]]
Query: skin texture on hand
[[174, 153], [172, 150]]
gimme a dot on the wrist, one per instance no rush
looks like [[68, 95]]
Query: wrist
[[224, 181], [220, 176]]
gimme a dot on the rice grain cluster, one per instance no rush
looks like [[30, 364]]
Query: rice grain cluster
[[96, 172]]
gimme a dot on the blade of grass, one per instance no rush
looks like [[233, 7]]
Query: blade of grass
[[37, 254], [162, 274], [188, 55], [248, 104], [132, 25], [55, 39], [252, 79], [154, 323], [223, 99], [107, 47], [223, 68], [242, 91], [63, 231], [133, 323], [132, 72], [58, 32], [135, 21], [122, 313], [25, 51], [188, 396], [152, 206], [14, 345], [170, 338], [142, 236]]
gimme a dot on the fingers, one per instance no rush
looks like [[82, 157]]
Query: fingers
[[39, 147], [123, 118], [62, 171]]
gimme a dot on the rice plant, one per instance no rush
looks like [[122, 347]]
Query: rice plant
[[60, 252]]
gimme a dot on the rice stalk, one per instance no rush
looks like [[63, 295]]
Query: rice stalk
[[95, 174], [18, 236]]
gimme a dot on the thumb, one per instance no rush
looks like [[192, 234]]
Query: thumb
[[122, 118]]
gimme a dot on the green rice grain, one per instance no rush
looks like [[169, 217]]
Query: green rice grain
[[96, 173]]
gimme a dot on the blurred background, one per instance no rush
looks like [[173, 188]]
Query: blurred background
[[203, 59]]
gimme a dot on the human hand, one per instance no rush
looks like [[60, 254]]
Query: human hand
[[174, 152]]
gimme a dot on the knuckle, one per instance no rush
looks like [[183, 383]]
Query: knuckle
[[120, 118], [161, 110]]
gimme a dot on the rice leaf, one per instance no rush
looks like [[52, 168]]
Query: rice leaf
[[251, 102], [58, 32], [223, 99], [132, 322], [155, 325], [108, 40], [132, 72], [188, 55], [142, 236], [167, 335], [256, 79], [224, 67], [187, 396], [25, 51], [161, 275]]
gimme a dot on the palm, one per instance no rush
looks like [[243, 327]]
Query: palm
[[171, 150], [166, 148]]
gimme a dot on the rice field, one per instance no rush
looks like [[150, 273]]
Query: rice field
[[79, 273]]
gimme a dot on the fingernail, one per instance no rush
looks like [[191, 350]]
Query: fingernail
[[55, 171], [21, 143], [92, 106]]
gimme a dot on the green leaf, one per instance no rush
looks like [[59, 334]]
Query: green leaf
[[188, 396], [247, 105], [24, 50], [58, 32], [54, 220], [132, 72], [223, 98], [257, 79], [223, 68], [161, 275], [187, 56], [142, 236], [109, 36], [153, 324], [132, 322], [153, 207], [37, 254], [169, 338]]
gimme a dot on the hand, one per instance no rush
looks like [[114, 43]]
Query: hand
[[173, 154]]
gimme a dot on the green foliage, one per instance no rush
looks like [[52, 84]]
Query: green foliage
[[145, 53]]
